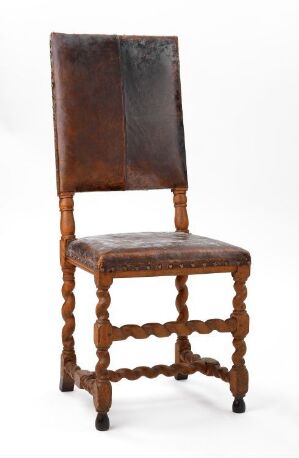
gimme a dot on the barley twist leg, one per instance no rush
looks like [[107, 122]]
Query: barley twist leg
[[238, 372], [102, 393], [182, 344], [68, 352]]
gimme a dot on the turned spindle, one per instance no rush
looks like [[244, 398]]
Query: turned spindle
[[67, 228], [238, 372], [181, 220], [181, 225], [102, 395]]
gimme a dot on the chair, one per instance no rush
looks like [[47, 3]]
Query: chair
[[118, 126]]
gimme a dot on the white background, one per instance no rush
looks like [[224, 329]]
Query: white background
[[240, 87]]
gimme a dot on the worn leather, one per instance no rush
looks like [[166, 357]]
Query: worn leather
[[154, 251], [117, 113]]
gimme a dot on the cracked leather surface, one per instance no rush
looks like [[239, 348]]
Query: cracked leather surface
[[154, 251], [117, 113]]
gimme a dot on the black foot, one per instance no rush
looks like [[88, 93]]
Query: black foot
[[102, 422], [181, 377], [66, 383], [239, 405]]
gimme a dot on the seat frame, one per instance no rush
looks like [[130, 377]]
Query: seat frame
[[98, 382]]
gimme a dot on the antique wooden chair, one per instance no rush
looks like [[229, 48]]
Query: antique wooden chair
[[118, 126]]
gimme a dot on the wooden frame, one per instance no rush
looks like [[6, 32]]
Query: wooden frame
[[98, 382]]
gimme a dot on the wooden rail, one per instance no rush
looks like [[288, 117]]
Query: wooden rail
[[192, 363], [172, 327]]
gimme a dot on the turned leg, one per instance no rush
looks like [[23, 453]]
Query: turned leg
[[238, 372], [68, 352], [182, 344], [102, 392]]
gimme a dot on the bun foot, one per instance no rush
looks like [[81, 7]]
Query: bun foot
[[239, 405], [181, 377], [102, 422]]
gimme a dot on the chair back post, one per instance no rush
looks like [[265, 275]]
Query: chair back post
[[67, 222], [181, 220]]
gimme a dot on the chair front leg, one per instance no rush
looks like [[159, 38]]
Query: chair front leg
[[182, 344], [239, 373], [102, 392], [68, 352]]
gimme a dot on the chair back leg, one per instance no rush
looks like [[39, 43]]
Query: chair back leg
[[68, 352]]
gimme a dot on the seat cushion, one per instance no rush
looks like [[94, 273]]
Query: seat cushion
[[154, 251]]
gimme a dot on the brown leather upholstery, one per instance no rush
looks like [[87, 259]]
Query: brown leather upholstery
[[154, 251], [117, 113]]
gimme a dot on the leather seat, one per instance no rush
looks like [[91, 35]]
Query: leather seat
[[154, 251]]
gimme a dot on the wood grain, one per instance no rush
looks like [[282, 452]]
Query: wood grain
[[206, 366], [67, 228], [181, 222], [172, 327], [239, 373], [102, 390]]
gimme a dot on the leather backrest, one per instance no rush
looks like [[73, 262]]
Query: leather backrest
[[117, 113]]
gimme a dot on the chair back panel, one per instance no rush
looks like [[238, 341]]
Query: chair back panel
[[117, 113]]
